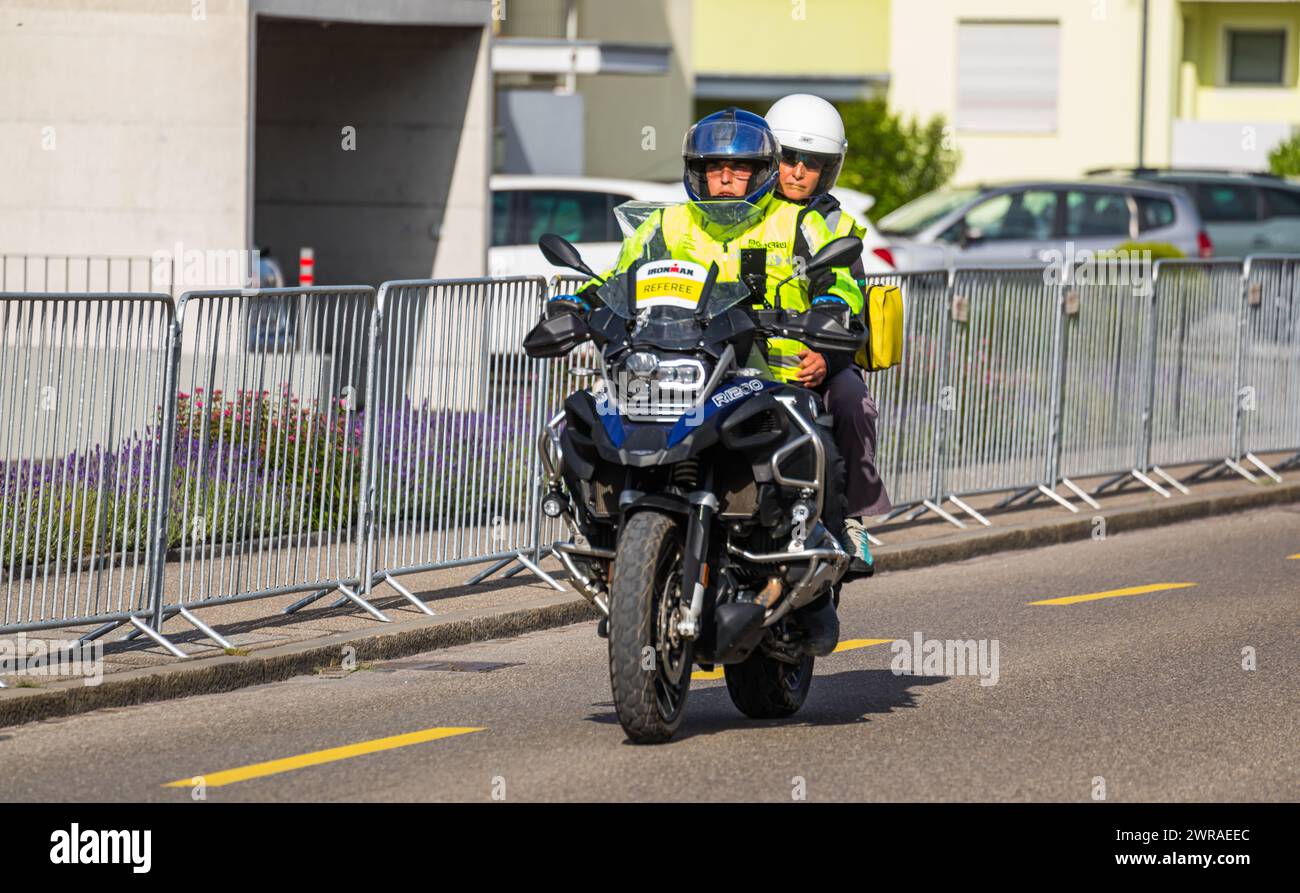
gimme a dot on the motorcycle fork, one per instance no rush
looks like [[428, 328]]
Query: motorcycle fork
[[694, 570]]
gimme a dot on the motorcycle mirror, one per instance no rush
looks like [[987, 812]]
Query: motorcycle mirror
[[839, 252], [559, 252]]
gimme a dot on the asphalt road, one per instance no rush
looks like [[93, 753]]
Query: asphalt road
[[1145, 694]]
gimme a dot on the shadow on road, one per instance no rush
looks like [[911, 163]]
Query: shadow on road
[[836, 699]]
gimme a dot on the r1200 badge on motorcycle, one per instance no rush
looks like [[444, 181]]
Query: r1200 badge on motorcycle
[[694, 485]]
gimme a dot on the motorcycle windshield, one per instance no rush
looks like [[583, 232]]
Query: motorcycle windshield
[[670, 296]]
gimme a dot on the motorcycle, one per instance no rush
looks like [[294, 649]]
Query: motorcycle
[[692, 483]]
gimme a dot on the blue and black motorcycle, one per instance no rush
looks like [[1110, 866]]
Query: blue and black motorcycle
[[693, 484]]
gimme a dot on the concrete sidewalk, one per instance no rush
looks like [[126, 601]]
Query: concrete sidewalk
[[271, 645]]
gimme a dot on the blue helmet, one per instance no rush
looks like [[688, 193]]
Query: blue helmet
[[731, 134]]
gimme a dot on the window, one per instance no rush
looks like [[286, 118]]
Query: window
[[1154, 213], [1281, 203], [613, 232], [577, 216], [501, 217], [1014, 215], [521, 217], [922, 213], [1096, 214], [1256, 57], [1226, 202], [1007, 76]]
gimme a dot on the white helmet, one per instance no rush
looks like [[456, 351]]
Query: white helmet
[[809, 124]]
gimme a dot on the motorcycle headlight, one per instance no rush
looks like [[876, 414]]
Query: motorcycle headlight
[[682, 374], [656, 388]]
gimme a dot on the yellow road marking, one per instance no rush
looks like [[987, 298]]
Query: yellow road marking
[[851, 644], [1112, 593], [1295, 557], [846, 645], [316, 758]]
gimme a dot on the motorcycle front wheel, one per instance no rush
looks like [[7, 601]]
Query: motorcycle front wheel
[[649, 663]]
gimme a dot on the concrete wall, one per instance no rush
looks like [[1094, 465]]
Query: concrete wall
[[620, 108], [371, 148], [123, 126]]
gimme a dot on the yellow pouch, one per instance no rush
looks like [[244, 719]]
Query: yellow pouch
[[884, 347]]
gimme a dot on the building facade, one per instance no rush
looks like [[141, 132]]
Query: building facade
[[131, 127], [1044, 88]]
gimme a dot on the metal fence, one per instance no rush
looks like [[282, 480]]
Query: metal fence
[[910, 398], [161, 457], [452, 421], [267, 455], [1104, 339], [82, 394], [85, 274], [1197, 310], [1267, 387]]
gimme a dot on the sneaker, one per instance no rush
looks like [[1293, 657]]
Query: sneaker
[[861, 564]]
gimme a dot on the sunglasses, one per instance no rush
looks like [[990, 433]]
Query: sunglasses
[[811, 160]]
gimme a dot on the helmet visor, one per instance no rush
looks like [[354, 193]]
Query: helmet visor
[[729, 138]]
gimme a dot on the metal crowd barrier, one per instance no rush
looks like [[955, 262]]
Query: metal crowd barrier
[[910, 398], [1104, 345], [1001, 365], [1193, 343], [451, 421], [267, 460], [240, 445], [98, 274], [83, 396], [1268, 370]]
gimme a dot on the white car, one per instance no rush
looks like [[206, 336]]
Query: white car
[[877, 258], [578, 208], [581, 210]]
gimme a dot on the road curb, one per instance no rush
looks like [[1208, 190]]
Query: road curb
[[1078, 527], [228, 672]]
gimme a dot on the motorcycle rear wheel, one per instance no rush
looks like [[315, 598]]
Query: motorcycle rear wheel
[[649, 665], [764, 687]]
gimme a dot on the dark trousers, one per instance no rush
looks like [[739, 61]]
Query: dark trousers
[[854, 413]]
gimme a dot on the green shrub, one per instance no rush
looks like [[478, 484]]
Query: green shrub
[[1284, 160]]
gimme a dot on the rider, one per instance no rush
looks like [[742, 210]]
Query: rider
[[733, 154], [813, 146]]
